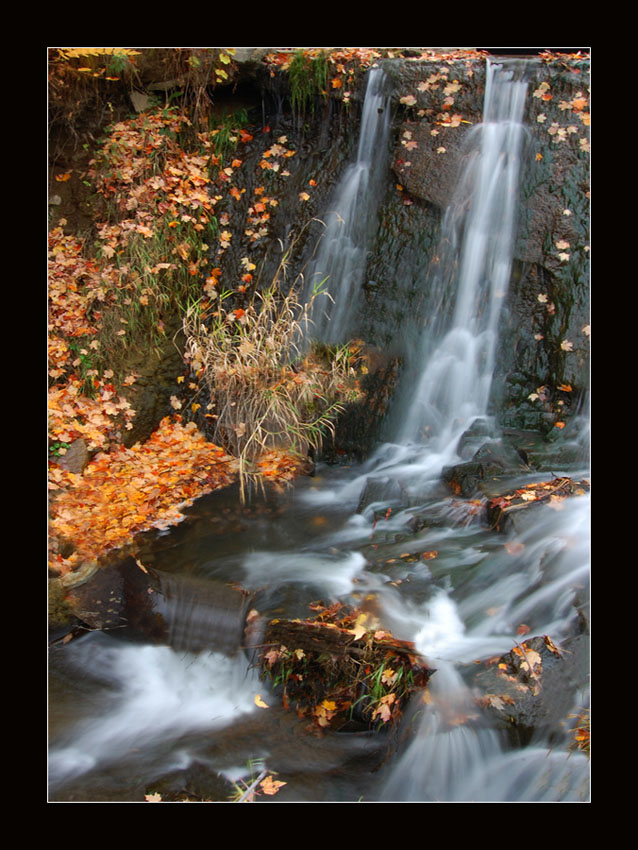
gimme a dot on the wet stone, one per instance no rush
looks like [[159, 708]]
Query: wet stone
[[532, 687]]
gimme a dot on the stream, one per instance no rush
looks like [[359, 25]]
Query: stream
[[129, 717], [125, 714]]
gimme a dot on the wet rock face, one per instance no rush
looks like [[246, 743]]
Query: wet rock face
[[432, 173], [544, 326]]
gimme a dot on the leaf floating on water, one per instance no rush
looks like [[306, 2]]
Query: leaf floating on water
[[271, 786]]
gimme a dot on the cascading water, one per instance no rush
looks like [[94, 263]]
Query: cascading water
[[450, 380], [450, 760], [124, 715], [341, 258]]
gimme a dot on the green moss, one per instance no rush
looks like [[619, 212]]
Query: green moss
[[308, 79]]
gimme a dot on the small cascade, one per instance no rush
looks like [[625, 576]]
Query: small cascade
[[456, 357], [454, 754], [340, 263], [153, 696], [201, 615]]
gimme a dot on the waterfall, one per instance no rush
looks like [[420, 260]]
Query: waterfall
[[126, 715], [341, 258], [456, 357]]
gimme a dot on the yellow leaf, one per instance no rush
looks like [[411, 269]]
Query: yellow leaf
[[388, 677], [259, 702], [359, 629]]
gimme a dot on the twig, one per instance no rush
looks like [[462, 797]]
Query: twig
[[250, 788]]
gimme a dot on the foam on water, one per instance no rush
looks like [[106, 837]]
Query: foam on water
[[331, 575], [155, 695]]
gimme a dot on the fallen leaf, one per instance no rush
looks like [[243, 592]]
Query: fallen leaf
[[271, 786], [359, 629], [384, 709], [531, 660]]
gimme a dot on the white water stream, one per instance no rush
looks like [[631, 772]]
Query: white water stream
[[125, 710], [340, 262]]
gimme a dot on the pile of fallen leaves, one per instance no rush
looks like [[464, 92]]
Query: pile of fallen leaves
[[98, 420], [79, 289], [126, 491], [339, 670], [280, 467]]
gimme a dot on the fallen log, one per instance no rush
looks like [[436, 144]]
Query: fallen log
[[338, 673]]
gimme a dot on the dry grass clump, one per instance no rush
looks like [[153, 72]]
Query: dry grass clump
[[269, 389]]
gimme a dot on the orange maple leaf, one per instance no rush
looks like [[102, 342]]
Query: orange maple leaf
[[270, 786]]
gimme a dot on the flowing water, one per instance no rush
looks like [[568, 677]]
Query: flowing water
[[126, 714], [340, 262]]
